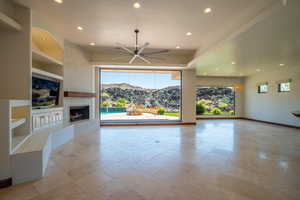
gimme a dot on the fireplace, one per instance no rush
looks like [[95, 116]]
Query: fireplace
[[78, 113]]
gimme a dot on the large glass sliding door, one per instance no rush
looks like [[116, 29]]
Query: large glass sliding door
[[140, 96]]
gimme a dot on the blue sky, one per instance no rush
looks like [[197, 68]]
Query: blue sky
[[145, 80]]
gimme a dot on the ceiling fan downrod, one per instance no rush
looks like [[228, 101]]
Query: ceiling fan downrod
[[136, 40]]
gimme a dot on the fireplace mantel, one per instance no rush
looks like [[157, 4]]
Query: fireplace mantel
[[74, 94]]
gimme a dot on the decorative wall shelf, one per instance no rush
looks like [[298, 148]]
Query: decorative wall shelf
[[47, 74], [79, 94], [39, 56], [9, 23]]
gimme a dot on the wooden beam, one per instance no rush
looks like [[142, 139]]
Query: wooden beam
[[79, 94]]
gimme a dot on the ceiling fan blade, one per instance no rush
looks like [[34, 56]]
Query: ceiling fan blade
[[125, 48], [155, 58], [120, 57], [132, 59], [156, 52], [143, 47], [144, 59]]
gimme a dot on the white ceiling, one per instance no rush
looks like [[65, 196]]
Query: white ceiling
[[267, 44], [163, 23]]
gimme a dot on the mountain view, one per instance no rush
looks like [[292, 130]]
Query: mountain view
[[168, 97]]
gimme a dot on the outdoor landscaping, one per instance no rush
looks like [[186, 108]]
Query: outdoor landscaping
[[127, 100], [215, 101]]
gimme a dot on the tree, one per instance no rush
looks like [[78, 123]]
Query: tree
[[106, 104], [200, 109], [104, 96]]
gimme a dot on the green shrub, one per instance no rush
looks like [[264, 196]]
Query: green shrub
[[105, 104], [122, 101], [161, 111], [119, 105], [231, 112], [222, 105], [204, 102], [200, 109], [216, 111]]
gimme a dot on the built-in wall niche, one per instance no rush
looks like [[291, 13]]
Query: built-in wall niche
[[45, 44], [14, 123], [20, 125]]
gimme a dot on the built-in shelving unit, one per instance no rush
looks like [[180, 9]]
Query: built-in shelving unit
[[41, 57], [15, 122], [8, 23]]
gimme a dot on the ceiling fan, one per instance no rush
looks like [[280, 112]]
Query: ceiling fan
[[138, 52]]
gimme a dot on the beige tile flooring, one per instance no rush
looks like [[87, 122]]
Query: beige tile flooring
[[236, 160]]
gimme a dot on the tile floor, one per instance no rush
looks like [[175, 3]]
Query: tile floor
[[236, 160]]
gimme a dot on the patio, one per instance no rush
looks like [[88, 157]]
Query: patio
[[143, 116]]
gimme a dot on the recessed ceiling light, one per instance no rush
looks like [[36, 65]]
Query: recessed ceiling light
[[59, 1], [258, 70], [92, 43], [136, 5], [233, 63], [281, 64], [207, 10], [80, 28], [188, 33], [177, 47]]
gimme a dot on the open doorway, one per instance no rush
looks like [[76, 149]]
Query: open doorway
[[140, 96]]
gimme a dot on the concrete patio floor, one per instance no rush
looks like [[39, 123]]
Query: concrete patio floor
[[144, 116]]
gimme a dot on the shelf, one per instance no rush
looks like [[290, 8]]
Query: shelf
[[39, 56], [18, 103], [17, 122], [47, 74], [9, 23]]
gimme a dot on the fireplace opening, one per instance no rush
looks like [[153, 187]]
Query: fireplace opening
[[78, 113]]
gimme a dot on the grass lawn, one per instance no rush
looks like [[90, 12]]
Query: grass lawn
[[172, 114]]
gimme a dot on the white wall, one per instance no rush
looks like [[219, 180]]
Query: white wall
[[188, 96], [273, 106], [15, 57], [7, 7], [79, 76], [226, 81], [78, 73]]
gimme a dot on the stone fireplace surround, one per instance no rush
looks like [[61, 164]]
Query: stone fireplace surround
[[83, 126]]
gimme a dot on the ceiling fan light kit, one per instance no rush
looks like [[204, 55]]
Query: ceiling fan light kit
[[138, 51]]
